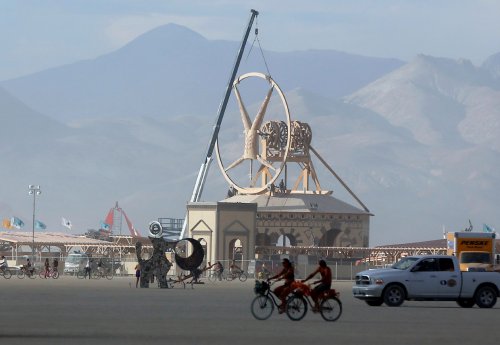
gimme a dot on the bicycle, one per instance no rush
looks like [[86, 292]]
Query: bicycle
[[330, 306], [263, 304], [101, 273], [52, 273], [242, 276], [4, 271], [83, 274], [25, 271], [213, 276]]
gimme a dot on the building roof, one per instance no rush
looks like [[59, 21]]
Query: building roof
[[22, 237], [314, 203], [424, 244]]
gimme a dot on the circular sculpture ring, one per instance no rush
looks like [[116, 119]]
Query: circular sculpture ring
[[254, 131]]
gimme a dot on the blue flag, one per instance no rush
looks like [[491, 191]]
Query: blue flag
[[104, 226], [487, 228], [16, 223], [39, 225]]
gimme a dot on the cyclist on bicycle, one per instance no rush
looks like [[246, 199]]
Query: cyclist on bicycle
[[264, 272], [219, 269], [28, 268], [234, 269], [282, 291], [55, 263], [47, 268], [100, 269], [324, 284], [3, 263]]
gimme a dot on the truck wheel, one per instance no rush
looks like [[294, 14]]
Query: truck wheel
[[394, 295], [375, 303], [485, 297], [466, 302]]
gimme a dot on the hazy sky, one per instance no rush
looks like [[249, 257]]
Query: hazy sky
[[38, 34]]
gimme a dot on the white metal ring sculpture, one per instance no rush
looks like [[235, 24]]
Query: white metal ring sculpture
[[276, 137]]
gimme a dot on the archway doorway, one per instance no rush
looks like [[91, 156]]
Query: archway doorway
[[285, 241], [328, 238], [236, 250]]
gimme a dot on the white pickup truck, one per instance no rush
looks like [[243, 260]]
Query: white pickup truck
[[429, 277]]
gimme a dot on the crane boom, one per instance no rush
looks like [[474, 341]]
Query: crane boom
[[202, 174]]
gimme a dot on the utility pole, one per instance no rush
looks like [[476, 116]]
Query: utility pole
[[33, 190]]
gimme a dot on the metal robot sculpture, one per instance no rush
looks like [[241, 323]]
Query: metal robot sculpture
[[158, 265]]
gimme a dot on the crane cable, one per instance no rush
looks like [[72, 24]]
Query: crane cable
[[256, 38]]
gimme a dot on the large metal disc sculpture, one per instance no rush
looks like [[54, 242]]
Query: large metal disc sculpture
[[193, 261], [266, 143]]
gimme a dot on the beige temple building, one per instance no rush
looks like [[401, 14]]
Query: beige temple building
[[260, 214], [281, 220]]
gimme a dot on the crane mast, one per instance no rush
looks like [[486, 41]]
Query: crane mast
[[202, 174]]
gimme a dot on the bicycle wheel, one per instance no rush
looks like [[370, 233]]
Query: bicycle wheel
[[331, 309], [109, 276], [55, 274], [229, 277], [212, 277], [96, 275], [80, 274], [262, 307], [32, 275], [20, 274], [243, 277], [6, 274], [296, 308]]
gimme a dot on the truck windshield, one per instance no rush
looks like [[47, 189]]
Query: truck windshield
[[475, 258], [404, 263]]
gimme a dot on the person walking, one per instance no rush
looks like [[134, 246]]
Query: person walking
[[87, 269], [137, 274], [47, 268]]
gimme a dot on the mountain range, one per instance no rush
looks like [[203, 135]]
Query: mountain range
[[416, 141]]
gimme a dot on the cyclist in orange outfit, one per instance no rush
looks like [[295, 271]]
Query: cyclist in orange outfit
[[282, 291], [324, 284]]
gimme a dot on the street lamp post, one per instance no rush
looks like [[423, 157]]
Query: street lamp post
[[33, 190]]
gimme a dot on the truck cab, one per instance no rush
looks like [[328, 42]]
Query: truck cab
[[474, 250]]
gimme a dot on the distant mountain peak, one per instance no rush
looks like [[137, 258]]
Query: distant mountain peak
[[172, 30], [445, 65], [169, 35]]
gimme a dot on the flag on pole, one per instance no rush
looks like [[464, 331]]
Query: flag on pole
[[16, 223], [6, 223], [39, 225], [66, 223], [487, 228], [104, 226]]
